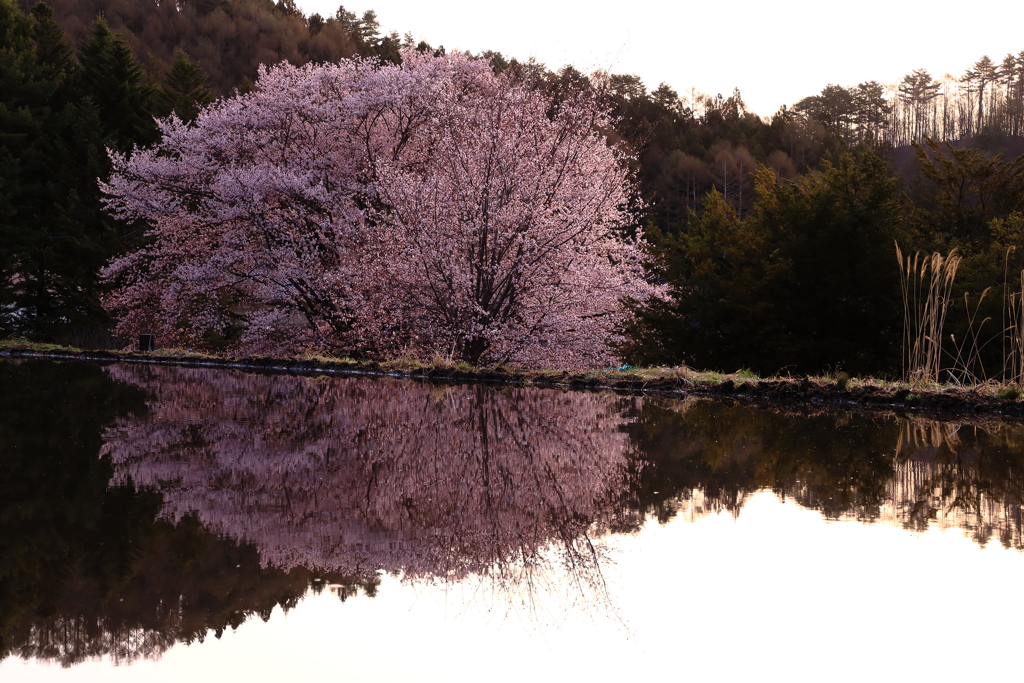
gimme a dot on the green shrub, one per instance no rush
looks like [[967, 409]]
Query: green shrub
[[1009, 393]]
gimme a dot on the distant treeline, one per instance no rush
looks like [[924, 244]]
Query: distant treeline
[[791, 267]]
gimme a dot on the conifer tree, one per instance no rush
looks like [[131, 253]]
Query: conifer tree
[[113, 79], [186, 89], [54, 235], [807, 282], [55, 56]]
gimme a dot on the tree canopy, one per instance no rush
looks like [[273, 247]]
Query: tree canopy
[[806, 283], [431, 207]]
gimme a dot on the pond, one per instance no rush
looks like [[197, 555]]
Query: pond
[[162, 523]]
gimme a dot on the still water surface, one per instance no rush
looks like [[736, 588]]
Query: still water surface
[[179, 524]]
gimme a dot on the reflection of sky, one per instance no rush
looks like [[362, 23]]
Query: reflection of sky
[[775, 52], [776, 594]]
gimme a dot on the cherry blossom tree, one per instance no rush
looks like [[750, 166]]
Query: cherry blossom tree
[[253, 218], [430, 207]]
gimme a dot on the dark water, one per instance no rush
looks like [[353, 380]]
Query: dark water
[[194, 521]]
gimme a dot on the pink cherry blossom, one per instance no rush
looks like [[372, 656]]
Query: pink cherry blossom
[[431, 207]]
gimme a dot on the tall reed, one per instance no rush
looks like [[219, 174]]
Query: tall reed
[[968, 367], [1014, 366], [926, 284]]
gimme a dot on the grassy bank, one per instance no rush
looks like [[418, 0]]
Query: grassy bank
[[867, 393]]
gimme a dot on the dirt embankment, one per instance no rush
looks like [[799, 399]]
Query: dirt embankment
[[808, 393]]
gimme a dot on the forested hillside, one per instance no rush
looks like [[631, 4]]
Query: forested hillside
[[774, 234], [687, 143], [229, 38]]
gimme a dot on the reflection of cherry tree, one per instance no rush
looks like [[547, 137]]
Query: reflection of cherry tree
[[356, 475]]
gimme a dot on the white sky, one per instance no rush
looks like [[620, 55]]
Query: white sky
[[776, 52], [777, 595]]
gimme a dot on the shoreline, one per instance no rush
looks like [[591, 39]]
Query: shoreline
[[815, 393]]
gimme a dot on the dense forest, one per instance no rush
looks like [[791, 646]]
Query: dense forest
[[774, 234]]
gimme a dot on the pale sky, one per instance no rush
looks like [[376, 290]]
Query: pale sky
[[779, 594], [775, 52]]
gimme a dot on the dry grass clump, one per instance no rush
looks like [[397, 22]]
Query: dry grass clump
[[926, 284], [1013, 370]]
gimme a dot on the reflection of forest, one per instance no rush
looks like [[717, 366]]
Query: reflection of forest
[[86, 567], [186, 584], [142, 506], [705, 458], [968, 477]]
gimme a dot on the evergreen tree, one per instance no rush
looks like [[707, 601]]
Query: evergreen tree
[[54, 234], [807, 283], [112, 78], [19, 85], [31, 232], [55, 56], [965, 190], [186, 89]]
